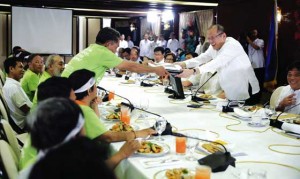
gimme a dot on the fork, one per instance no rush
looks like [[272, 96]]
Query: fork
[[168, 160]]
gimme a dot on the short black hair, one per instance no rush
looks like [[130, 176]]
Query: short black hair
[[137, 49], [31, 57], [194, 54], [78, 79], [76, 159], [10, 62], [52, 121], [173, 56], [54, 87], [106, 34], [294, 64], [16, 49], [127, 50], [159, 49]]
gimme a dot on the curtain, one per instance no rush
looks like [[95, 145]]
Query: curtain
[[204, 19], [186, 19], [155, 26], [145, 27]]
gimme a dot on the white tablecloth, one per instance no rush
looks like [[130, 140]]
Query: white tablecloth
[[252, 142]]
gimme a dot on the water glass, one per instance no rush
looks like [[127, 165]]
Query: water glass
[[144, 104], [160, 127], [165, 82], [270, 111], [257, 174], [190, 145]]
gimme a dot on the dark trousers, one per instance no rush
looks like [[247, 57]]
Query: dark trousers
[[255, 98]]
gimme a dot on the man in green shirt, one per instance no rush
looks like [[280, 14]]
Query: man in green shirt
[[53, 67], [101, 56], [30, 80]]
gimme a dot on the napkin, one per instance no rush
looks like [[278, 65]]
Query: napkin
[[158, 162]]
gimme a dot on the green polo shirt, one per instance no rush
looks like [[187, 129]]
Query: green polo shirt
[[96, 58], [29, 83], [43, 78]]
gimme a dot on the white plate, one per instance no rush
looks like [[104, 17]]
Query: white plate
[[228, 147], [165, 147], [135, 127], [103, 116], [162, 173]]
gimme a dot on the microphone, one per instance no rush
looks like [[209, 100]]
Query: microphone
[[130, 104], [133, 107], [218, 161], [286, 110], [194, 97]]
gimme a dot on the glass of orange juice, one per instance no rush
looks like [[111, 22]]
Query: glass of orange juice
[[125, 114], [111, 95], [180, 145], [203, 172]]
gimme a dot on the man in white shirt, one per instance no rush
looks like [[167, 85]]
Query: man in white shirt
[[123, 43], [256, 56], [229, 60], [159, 55], [200, 45], [289, 96], [129, 41], [155, 43], [145, 46], [173, 43], [162, 41], [17, 100]]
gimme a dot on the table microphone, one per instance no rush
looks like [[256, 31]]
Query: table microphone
[[130, 104], [218, 161], [194, 97]]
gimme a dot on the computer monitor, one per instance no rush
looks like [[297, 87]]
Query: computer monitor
[[176, 87]]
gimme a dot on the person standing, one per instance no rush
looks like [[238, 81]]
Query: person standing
[[173, 43], [256, 56], [226, 56], [145, 46], [129, 41]]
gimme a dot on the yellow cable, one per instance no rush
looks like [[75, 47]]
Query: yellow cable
[[198, 129], [238, 123], [273, 163], [283, 145]]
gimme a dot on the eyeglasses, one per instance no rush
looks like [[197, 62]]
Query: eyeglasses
[[214, 37], [297, 75]]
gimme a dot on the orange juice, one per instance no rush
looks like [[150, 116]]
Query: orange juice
[[111, 95], [203, 172], [180, 145], [125, 118]]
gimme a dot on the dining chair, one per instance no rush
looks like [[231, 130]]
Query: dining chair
[[8, 160], [275, 96]]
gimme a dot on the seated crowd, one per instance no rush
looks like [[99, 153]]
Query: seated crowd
[[47, 92]]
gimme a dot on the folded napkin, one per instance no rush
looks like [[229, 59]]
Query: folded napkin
[[242, 113], [158, 162]]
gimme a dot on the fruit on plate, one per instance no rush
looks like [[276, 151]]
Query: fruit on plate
[[214, 147], [121, 126], [114, 115], [149, 147], [206, 96], [178, 173]]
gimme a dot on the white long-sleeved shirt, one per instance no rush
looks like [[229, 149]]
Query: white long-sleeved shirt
[[257, 56], [145, 48], [233, 66], [173, 45]]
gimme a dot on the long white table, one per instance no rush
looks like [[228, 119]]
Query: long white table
[[254, 143]]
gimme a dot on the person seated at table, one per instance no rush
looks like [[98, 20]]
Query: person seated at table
[[135, 54], [61, 87], [126, 54], [289, 97], [190, 55], [76, 159], [30, 80], [170, 58], [159, 53]]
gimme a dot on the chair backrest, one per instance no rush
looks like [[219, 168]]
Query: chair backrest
[[6, 115], [11, 137], [2, 77], [274, 96], [9, 160]]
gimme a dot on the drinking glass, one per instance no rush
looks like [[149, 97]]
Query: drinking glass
[[144, 104], [270, 111], [203, 172], [241, 103], [190, 145], [165, 82], [257, 174], [160, 126]]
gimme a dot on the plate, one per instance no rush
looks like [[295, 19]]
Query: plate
[[165, 150], [115, 119], [134, 127], [162, 174], [128, 82], [228, 147], [206, 97]]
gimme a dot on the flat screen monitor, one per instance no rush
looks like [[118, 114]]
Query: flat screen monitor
[[176, 87]]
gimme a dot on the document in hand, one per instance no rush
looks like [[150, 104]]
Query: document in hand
[[171, 68]]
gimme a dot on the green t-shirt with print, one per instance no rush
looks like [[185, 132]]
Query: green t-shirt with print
[[29, 83], [96, 58]]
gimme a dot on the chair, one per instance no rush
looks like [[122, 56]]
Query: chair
[[2, 78], [8, 160], [274, 96], [6, 115], [10, 137]]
